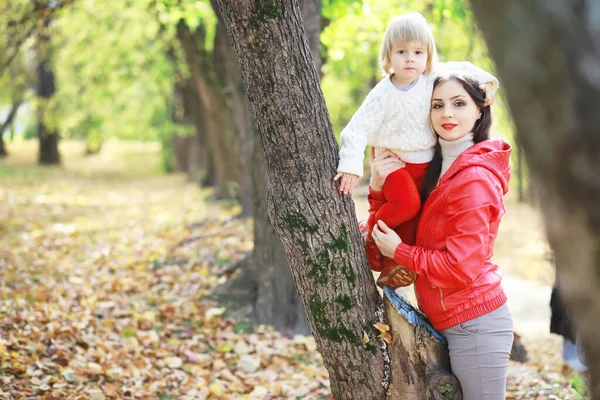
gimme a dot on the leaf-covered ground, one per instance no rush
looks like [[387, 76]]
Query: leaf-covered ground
[[104, 271]]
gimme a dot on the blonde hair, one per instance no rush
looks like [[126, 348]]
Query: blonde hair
[[406, 28]]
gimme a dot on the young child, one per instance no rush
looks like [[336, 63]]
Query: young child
[[395, 116]]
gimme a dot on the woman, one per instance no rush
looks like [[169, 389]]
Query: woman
[[458, 286]]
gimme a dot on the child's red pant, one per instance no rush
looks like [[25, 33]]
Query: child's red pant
[[398, 205]]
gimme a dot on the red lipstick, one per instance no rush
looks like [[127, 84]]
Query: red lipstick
[[449, 127]]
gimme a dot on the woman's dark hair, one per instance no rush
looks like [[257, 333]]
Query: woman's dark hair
[[481, 130]]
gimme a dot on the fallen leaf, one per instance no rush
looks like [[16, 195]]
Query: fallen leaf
[[381, 327]]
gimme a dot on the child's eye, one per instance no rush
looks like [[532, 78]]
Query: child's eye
[[419, 52], [400, 51]]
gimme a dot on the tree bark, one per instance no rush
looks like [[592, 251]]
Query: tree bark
[[421, 365], [548, 58], [274, 296], [311, 18], [276, 302], [316, 225], [48, 135]]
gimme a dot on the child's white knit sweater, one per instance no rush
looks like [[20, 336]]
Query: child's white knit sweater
[[398, 120]]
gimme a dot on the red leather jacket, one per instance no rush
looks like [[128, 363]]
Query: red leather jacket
[[457, 279]]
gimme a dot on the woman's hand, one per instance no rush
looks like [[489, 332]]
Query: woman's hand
[[383, 165], [386, 239]]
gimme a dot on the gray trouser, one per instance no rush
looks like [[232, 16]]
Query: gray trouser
[[479, 353]]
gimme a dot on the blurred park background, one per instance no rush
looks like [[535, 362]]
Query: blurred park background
[[124, 206]]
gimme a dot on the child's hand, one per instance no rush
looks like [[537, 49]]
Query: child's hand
[[348, 183], [363, 228], [488, 90]]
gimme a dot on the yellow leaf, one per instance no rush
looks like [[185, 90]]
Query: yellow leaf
[[150, 316], [365, 338], [386, 337], [133, 342], [224, 348], [381, 327], [128, 332], [211, 312], [216, 389], [173, 362]]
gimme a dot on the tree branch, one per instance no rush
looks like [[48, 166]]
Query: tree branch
[[40, 11]]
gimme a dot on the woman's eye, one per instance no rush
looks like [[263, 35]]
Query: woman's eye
[[459, 104], [437, 106]]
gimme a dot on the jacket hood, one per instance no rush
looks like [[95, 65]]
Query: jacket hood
[[493, 154]]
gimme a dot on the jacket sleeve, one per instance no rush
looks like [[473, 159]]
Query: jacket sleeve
[[474, 203], [354, 137], [466, 67]]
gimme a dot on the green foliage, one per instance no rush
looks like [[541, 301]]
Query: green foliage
[[17, 76], [115, 66], [578, 383], [113, 77], [192, 12]]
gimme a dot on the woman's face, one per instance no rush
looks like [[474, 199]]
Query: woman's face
[[453, 111]]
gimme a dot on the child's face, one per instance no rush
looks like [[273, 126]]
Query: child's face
[[408, 61]]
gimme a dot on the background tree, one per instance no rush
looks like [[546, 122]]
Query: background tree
[[45, 89], [27, 26], [548, 55]]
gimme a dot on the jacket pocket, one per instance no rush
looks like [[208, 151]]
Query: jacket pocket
[[441, 297]]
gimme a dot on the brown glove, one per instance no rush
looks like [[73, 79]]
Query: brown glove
[[396, 276]]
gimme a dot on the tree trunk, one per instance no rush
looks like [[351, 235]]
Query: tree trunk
[[274, 295], [237, 103], [48, 135], [8, 122], [520, 176], [548, 57], [195, 116], [3, 152], [219, 127], [421, 365], [311, 18], [277, 302], [316, 225]]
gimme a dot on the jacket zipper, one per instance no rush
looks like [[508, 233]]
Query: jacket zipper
[[441, 297]]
